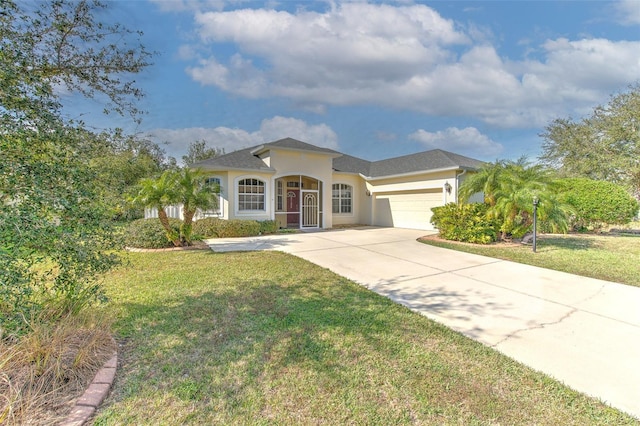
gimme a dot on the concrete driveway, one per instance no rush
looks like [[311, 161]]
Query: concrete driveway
[[581, 331]]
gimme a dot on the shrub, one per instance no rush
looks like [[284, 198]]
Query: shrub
[[597, 203], [240, 228], [212, 227], [465, 222], [149, 233], [268, 227], [207, 227]]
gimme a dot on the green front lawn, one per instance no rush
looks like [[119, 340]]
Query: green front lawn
[[267, 338], [610, 257]]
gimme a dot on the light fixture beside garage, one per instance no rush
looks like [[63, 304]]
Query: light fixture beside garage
[[447, 187]]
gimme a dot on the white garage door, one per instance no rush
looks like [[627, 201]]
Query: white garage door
[[410, 209]]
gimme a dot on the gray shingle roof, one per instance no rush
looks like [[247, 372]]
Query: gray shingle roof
[[348, 164], [422, 161], [242, 159], [246, 159], [295, 145], [419, 162]]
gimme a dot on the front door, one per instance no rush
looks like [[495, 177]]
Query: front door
[[293, 208], [310, 209]]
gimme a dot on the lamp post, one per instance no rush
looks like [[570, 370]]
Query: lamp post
[[535, 221]]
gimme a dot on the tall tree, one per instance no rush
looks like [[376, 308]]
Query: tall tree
[[120, 161], [61, 43], [199, 151], [602, 146], [53, 224]]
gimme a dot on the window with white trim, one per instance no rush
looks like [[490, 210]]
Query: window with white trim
[[341, 198], [214, 183], [251, 195], [279, 196]]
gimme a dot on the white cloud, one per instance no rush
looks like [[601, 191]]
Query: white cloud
[[589, 63], [280, 127], [628, 11], [176, 141], [351, 46], [468, 140], [186, 52], [240, 77], [407, 57]]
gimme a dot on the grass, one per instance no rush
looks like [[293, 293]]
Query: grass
[[267, 338], [611, 257]]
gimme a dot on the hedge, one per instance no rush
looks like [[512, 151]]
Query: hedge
[[149, 233], [597, 203], [212, 227]]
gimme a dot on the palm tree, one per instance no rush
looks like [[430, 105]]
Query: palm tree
[[509, 189], [159, 193], [485, 181], [194, 193]]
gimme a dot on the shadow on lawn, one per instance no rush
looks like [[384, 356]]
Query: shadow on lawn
[[224, 343], [245, 329], [267, 242], [566, 242]]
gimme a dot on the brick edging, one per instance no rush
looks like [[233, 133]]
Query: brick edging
[[97, 391]]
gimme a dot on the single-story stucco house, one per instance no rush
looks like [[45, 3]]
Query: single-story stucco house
[[303, 186]]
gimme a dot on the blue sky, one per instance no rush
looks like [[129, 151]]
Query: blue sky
[[377, 79]]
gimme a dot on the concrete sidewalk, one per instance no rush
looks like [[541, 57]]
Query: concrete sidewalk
[[582, 331]]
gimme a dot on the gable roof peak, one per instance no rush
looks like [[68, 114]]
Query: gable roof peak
[[293, 145]]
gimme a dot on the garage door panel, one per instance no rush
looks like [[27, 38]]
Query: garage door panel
[[406, 210]]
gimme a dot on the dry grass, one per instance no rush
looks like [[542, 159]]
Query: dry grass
[[42, 374]]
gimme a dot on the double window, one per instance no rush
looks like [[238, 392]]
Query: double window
[[251, 195], [341, 198]]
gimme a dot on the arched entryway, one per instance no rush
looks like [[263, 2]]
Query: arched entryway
[[298, 203]]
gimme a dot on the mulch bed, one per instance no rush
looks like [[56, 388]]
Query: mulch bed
[[436, 237], [197, 245]]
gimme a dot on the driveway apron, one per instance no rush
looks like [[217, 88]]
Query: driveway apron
[[582, 331]]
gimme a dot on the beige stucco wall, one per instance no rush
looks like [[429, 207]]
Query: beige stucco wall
[[418, 182], [361, 202], [317, 166]]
